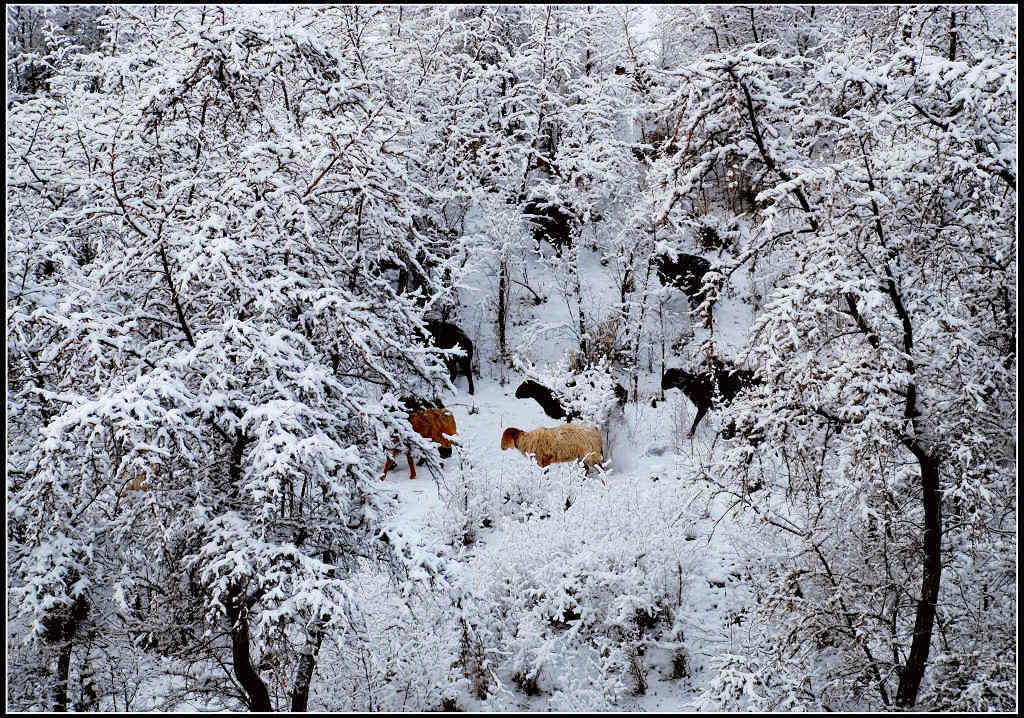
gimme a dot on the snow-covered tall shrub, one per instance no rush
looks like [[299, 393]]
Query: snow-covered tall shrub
[[599, 583]]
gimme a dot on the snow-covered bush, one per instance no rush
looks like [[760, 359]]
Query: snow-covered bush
[[588, 392], [604, 346], [600, 582], [680, 413], [400, 653], [477, 498], [469, 499]]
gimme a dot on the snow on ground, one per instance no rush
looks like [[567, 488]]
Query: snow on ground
[[649, 460], [645, 449]]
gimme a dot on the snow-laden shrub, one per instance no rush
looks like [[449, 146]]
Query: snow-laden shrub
[[680, 415], [713, 233], [411, 639], [604, 346], [598, 584], [525, 491], [478, 497], [588, 392], [591, 393], [399, 654], [745, 683], [468, 498]]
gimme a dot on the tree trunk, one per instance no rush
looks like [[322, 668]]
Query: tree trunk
[[661, 328], [579, 301], [248, 678], [635, 340], [913, 672], [952, 35], [60, 693], [88, 700], [306, 666], [502, 309]]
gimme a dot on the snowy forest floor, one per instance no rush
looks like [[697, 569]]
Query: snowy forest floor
[[652, 490], [647, 456]]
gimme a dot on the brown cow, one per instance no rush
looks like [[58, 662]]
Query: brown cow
[[434, 424]]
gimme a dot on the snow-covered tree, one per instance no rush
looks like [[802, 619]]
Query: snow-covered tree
[[228, 228], [886, 181], [209, 339]]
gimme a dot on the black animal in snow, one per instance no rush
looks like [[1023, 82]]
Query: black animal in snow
[[446, 336], [708, 388], [530, 389], [685, 272], [552, 223]]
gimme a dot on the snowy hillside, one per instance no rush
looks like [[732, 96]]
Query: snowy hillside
[[653, 479], [735, 287], [649, 500]]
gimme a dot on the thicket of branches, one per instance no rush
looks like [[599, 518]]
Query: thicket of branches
[[228, 226]]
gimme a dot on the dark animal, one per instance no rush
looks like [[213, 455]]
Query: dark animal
[[530, 389], [551, 222], [706, 389], [709, 239], [412, 404], [446, 336], [621, 394], [685, 272]]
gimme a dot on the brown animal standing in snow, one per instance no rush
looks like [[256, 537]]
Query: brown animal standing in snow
[[434, 424], [556, 444]]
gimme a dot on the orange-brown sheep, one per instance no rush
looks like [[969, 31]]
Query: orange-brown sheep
[[434, 424]]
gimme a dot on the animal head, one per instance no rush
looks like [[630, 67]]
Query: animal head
[[678, 379], [510, 438], [526, 389]]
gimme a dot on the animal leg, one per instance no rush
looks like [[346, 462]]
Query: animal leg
[[412, 466], [701, 411], [389, 464], [469, 373]]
